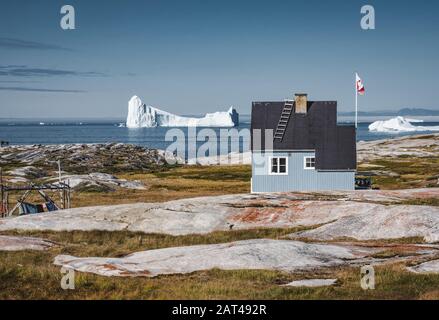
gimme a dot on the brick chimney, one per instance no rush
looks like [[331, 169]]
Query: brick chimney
[[301, 100]]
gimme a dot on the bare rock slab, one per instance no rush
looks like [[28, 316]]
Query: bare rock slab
[[311, 283], [260, 254], [80, 158], [426, 267], [358, 215], [416, 146], [12, 243], [380, 222]]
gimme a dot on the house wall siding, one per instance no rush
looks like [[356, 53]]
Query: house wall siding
[[298, 178]]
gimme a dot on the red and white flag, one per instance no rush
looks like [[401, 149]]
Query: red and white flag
[[359, 84]]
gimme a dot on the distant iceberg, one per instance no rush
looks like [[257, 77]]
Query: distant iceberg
[[143, 116], [399, 124]]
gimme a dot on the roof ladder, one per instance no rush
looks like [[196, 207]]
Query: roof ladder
[[283, 120]]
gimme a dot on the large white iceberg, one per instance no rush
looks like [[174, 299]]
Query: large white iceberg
[[400, 124], [142, 116]]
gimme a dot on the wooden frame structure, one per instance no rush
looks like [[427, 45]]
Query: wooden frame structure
[[63, 188]]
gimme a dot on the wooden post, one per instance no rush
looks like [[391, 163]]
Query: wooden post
[[22, 198], [7, 202], [61, 193], [2, 192], [68, 194]]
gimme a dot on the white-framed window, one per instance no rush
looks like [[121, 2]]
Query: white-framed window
[[278, 165], [309, 163]]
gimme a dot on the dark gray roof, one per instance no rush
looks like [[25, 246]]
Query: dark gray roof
[[335, 145]]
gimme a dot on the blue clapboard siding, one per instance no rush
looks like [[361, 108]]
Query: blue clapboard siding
[[298, 178]]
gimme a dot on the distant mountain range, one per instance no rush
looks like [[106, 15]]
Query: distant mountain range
[[401, 112]]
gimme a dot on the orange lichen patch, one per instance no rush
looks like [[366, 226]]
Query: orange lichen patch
[[269, 213], [295, 205], [143, 273], [124, 272], [259, 215], [110, 266]]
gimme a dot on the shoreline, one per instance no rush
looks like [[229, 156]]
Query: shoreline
[[407, 144]]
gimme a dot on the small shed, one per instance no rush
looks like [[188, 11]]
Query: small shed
[[297, 145]]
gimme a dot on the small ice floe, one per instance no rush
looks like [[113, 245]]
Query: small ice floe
[[42, 123], [311, 283], [400, 124], [122, 125]]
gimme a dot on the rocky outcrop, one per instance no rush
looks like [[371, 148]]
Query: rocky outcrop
[[375, 222], [98, 182], [12, 243], [85, 158], [28, 172], [431, 266], [281, 255], [413, 146], [362, 215]]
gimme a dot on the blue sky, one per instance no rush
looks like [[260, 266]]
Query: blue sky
[[197, 56]]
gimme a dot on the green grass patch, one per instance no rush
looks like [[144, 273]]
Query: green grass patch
[[212, 173], [422, 202]]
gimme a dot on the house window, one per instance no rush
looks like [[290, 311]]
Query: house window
[[279, 165], [309, 163]]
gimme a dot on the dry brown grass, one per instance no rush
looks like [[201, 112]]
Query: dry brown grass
[[31, 274], [175, 183]]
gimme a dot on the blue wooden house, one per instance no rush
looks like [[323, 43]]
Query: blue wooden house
[[297, 145]]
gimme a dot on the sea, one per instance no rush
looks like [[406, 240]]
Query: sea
[[84, 131]]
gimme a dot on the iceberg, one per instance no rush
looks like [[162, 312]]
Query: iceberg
[[142, 116], [399, 124]]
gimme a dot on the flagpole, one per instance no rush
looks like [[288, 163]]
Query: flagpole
[[356, 103]]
